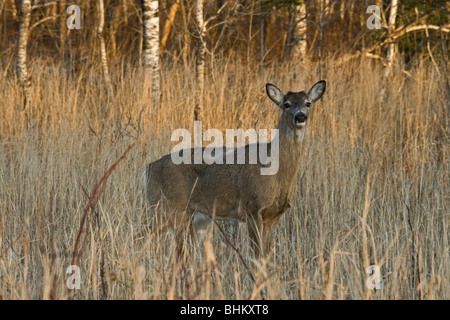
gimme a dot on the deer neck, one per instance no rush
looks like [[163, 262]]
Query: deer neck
[[290, 149]]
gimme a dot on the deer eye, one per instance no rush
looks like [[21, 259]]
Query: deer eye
[[308, 104], [287, 105]]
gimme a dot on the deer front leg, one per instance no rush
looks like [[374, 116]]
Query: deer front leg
[[255, 231], [267, 236], [270, 220]]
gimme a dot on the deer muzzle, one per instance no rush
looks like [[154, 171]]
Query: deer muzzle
[[300, 120]]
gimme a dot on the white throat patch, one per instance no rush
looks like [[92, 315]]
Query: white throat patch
[[299, 134]]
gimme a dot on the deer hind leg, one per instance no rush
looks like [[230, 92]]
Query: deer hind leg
[[179, 223], [200, 226]]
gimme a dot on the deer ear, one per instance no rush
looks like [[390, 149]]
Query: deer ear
[[274, 94], [316, 92]]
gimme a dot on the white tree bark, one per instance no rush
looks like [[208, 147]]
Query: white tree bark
[[101, 37], [150, 10], [391, 49], [200, 63], [21, 66], [300, 32]]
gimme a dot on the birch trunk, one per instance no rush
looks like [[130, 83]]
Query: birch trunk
[[104, 59], [300, 33], [150, 10], [200, 63], [21, 66], [392, 47]]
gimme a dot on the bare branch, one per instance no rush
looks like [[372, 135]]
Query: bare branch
[[43, 5], [42, 21], [218, 13], [428, 26], [399, 32]]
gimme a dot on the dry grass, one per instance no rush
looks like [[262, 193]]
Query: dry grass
[[374, 186]]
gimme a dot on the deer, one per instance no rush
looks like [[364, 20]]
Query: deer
[[187, 197]]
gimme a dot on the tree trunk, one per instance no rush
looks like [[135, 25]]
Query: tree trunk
[[262, 17], [300, 33], [323, 17], [21, 66], [391, 49], [62, 26], [200, 63], [104, 59], [151, 49], [124, 10], [14, 9], [168, 25]]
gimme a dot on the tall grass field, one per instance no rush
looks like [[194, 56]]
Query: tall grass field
[[373, 199]]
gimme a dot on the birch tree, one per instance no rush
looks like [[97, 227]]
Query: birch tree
[[200, 62], [150, 11], [391, 48], [104, 59], [299, 33], [21, 65]]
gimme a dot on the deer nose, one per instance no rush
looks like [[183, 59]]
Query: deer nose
[[300, 117]]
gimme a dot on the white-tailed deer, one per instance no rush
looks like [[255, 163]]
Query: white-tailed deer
[[188, 195]]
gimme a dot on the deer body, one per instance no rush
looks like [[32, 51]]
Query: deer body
[[195, 192]]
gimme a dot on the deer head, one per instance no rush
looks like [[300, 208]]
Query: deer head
[[296, 105]]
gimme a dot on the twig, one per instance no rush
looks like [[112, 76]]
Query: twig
[[92, 200]]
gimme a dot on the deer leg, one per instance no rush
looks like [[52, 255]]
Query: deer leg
[[180, 245], [267, 238], [268, 233], [200, 226], [179, 223], [255, 231]]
